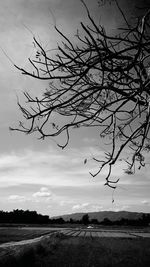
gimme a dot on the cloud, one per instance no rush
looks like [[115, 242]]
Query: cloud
[[43, 193], [50, 166], [62, 169], [61, 179], [86, 207], [80, 206], [17, 198], [145, 202]]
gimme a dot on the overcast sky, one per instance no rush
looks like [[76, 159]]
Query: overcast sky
[[37, 175]]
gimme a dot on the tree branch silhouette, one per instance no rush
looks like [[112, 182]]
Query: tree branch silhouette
[[101, 81]]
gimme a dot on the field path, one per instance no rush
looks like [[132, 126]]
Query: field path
[[24, 242]]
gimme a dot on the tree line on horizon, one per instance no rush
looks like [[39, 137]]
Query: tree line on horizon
[[32, 217]]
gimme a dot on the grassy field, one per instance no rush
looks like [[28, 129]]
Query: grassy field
[[59, 250], [18, 234]]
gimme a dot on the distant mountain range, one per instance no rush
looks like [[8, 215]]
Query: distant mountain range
[[101, 215]]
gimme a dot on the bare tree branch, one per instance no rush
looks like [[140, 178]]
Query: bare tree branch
[[101, 81]]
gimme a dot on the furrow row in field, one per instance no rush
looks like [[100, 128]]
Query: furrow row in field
[[67, 232], [136, 234], [75, 233], [93, 234], [82, 233]]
